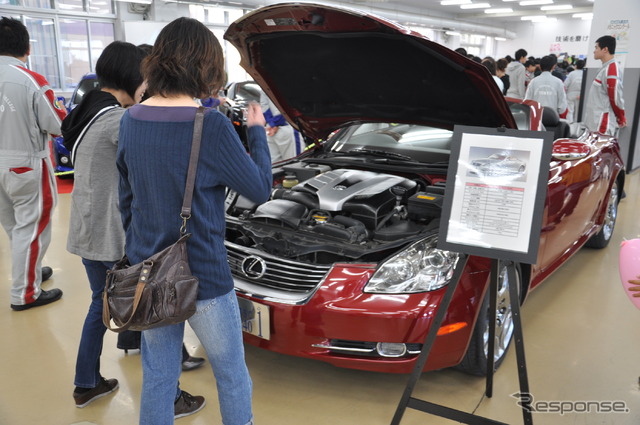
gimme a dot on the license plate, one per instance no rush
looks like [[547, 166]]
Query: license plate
[[255, 318]]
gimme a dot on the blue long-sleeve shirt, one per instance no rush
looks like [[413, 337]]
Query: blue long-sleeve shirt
[[153, 157]]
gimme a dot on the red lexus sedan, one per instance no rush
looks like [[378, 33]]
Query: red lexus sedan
[[341, 264]]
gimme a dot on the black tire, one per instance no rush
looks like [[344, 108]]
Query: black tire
[[603, 237], [475, 359]]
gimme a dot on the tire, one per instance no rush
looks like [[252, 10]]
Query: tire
[[475, 359], [602, 238]]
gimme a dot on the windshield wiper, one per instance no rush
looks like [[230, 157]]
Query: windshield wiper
[[385, 154]]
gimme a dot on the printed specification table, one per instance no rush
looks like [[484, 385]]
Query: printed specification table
[[492, 209]]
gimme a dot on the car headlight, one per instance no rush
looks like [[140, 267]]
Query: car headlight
[[419, 268]]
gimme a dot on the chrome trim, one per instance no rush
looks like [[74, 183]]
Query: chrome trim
[[284, 281], [350, 350], [363, 350]]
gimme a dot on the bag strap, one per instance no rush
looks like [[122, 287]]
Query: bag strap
[[185, 214], [106, 315], [86, 127]]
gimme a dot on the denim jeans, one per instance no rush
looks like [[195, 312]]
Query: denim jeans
[[88, 361], [218, 327]]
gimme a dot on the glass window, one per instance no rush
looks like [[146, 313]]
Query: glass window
[[101, 36], [43, 58], [75, 50], [40, 4], [102, 7], [235, 14], [71, 5], [215, 15]]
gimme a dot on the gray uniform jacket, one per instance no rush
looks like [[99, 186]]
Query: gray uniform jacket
[[95, 227], [516, 73], [25, 120], [548, 90]]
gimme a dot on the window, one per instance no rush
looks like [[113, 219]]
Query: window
[[75, 51], [101, 36], [43, 58], [64, 48]]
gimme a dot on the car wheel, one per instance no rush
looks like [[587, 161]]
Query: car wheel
[[602, 238], [475, 360]]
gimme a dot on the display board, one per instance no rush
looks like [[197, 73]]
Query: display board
[[495, 192]]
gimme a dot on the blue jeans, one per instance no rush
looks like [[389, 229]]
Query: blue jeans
[[88, 361], [218, 327]]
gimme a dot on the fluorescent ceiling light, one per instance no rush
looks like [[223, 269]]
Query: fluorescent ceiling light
[[454, 2], [507, 1], [557, 7], [499, 10], [584, 16], [538, 18], [500, 38], [475, 6], [535, 2], [452, 33]]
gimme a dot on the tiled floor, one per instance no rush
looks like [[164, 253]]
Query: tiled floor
[[581, 336]]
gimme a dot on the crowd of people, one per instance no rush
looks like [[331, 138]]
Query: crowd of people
[[130, 168], [557, 84]]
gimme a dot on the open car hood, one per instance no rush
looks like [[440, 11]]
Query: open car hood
[[327, 67]]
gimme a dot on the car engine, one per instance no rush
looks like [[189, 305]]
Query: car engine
[[335, 215]]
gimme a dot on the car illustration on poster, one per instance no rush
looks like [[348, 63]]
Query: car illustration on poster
[[498, 164], [341, 264]]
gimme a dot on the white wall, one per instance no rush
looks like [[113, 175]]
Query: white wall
[[566, 35]]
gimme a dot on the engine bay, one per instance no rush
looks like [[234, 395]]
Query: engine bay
[[323, 215]]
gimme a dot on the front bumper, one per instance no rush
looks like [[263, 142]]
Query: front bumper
[[340, 324]]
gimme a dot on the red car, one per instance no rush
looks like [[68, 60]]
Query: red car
[[341, 264]]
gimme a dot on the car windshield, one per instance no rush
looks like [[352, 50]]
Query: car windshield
[[498, 156], [419, 143], [85, 86]]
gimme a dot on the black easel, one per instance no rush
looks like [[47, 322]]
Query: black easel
[[458, 415]]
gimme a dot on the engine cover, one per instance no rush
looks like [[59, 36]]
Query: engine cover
[[334, 188]]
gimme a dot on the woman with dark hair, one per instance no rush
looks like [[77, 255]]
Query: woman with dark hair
[[490, 64], [501, 72], [95, 229], [186, 63]]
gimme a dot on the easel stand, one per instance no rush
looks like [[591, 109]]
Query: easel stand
[[458, 415]]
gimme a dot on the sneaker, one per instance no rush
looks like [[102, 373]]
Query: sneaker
[[106, 386], [192, 363], [45, 298], [188, 404], [47, 272]]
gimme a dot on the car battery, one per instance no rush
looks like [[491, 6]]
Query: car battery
[[425, 205]]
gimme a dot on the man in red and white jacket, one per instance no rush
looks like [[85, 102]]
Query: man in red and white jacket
[[28, 194], [605, 106]]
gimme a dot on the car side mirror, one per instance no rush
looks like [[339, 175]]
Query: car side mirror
[[569, 150]]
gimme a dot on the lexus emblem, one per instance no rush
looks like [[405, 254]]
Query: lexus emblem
[[253, 267]]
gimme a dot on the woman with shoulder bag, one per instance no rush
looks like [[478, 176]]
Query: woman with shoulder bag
[[95, 229], [186, 63]]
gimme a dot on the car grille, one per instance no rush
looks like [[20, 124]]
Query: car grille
[[279, 274]]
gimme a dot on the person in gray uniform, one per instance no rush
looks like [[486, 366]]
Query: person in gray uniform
[[28, 192]]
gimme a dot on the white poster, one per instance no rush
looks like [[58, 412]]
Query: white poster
[[495, 187]]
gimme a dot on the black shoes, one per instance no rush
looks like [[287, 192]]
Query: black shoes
[[47, 272], [188, 404], [106, 386], [46, 297], [192, 363]]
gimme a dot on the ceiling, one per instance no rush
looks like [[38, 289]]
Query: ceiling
[[430, 7], [434, 8]]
